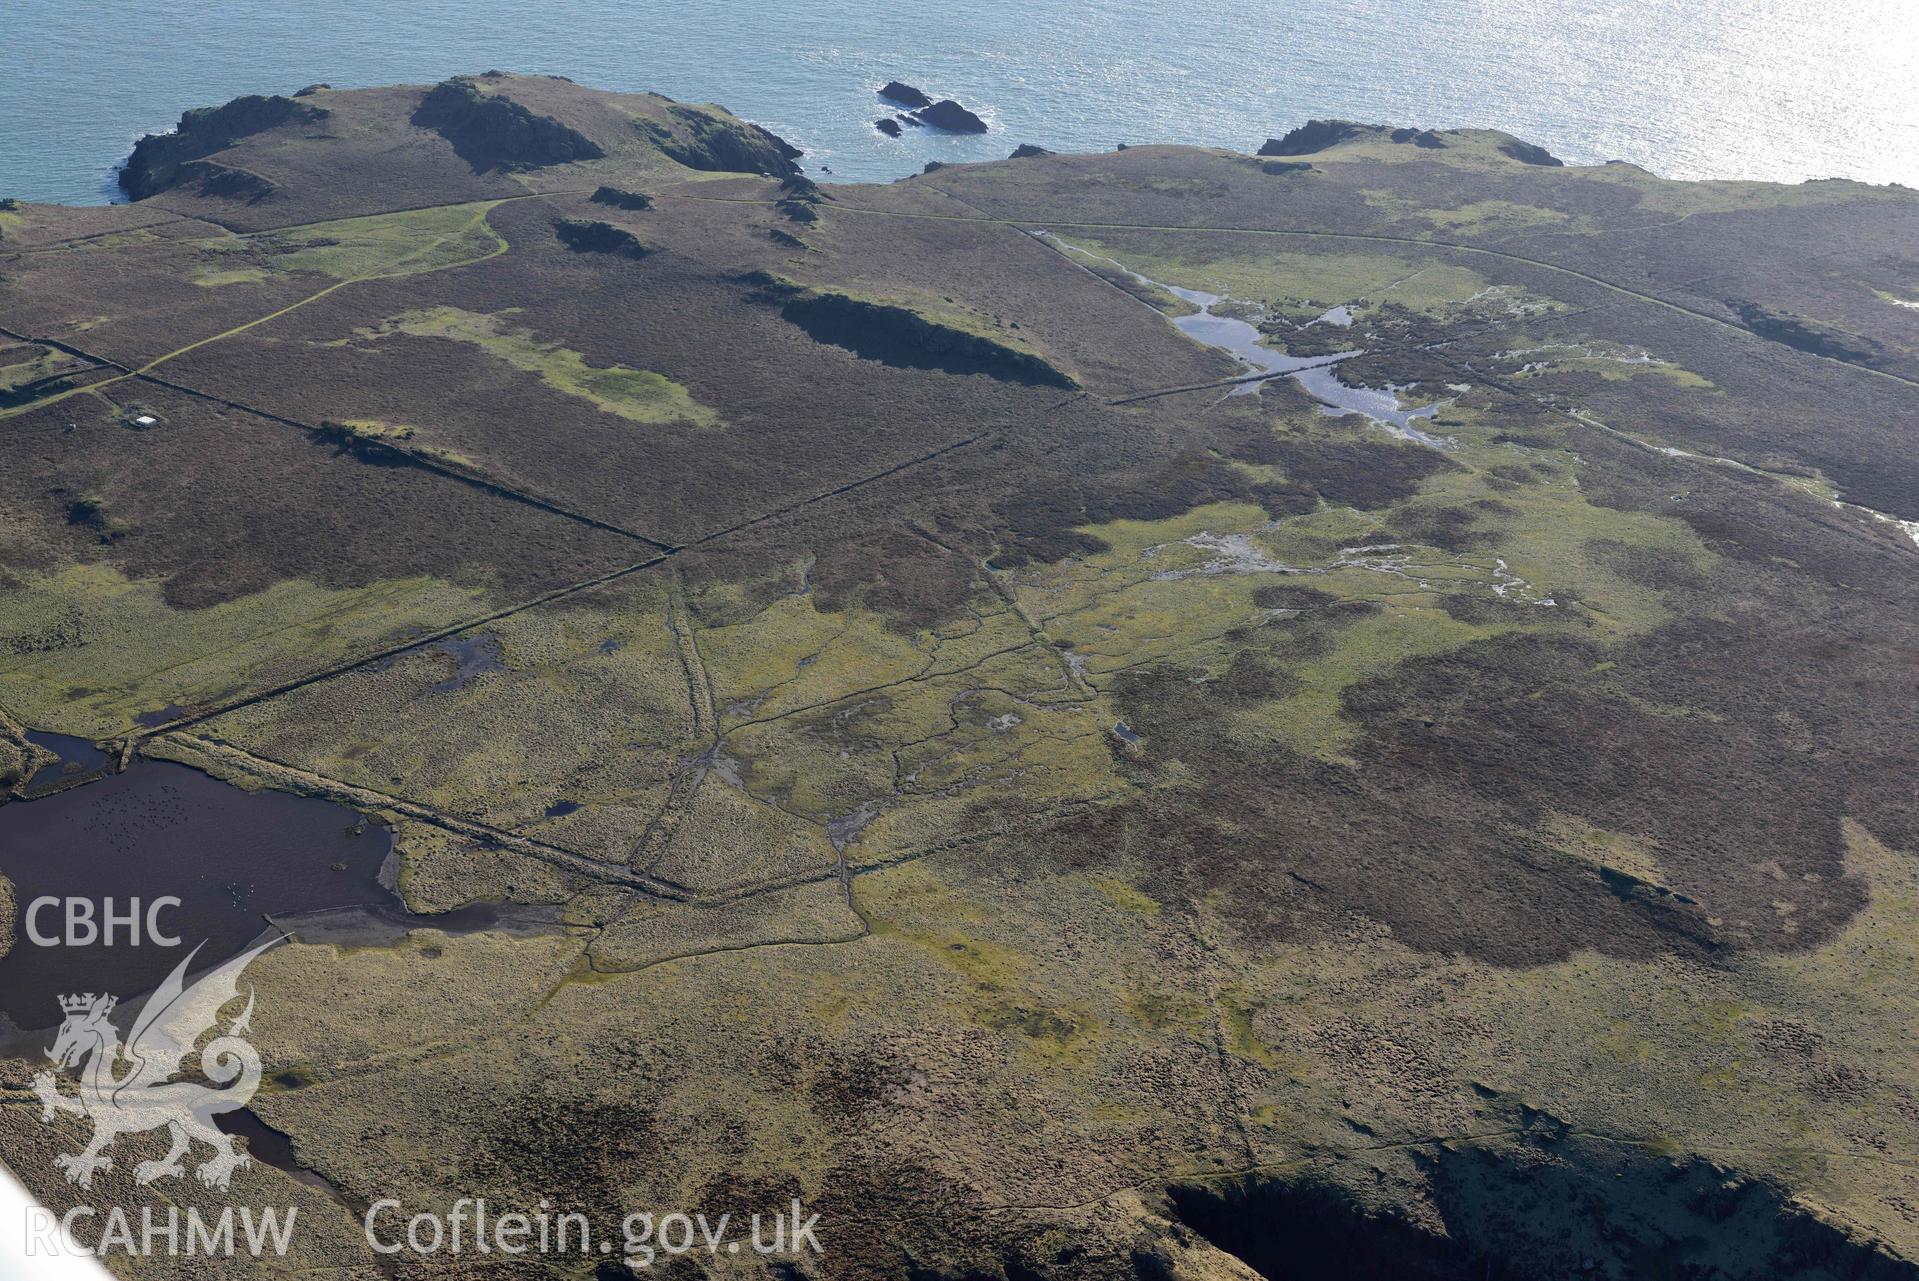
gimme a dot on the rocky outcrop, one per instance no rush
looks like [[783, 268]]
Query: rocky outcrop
[[1027, 150], [210, 178], [1285, 166], [586, 236], [158, 159], [906, 95], [800, 198], [798, 210], [1317, 135], [1802, 333], [622, 199], [717, 144], [364, 444], [949, 115], [1314, 135], [1593, 1208], [310, 90], [493, 132], [88, 513], [1317, 1230], [1527, 153], [888, 126], [898, 335]]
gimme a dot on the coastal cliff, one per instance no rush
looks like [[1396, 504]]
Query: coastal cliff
[[701, 140], [165, 160]]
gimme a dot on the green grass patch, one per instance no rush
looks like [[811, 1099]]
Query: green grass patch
[[1309, 720], [1125, 895], [1248, 269], [638, 395], [1610, 361], [404, 244], [23, 372], [1236, 1010], [589, 705], [121, 650], [234, 276], [1479, 218], [1298, 286], [1185, 591]]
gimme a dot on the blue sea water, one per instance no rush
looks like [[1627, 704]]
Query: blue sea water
[[1770, 89]]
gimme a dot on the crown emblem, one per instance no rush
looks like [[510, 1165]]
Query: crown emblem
[[81, 1004]]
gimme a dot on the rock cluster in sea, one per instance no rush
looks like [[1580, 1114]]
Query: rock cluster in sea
[[923, 110], [949, 115], [906, 95]]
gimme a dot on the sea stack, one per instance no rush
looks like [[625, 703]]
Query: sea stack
[[888, 126], [949, 115], [906, 95]]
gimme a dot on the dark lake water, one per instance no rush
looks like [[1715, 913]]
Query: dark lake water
[[77, 756], [241, 863], [231, 857]]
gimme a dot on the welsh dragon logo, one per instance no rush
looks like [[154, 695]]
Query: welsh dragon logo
[[142, 1095]]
